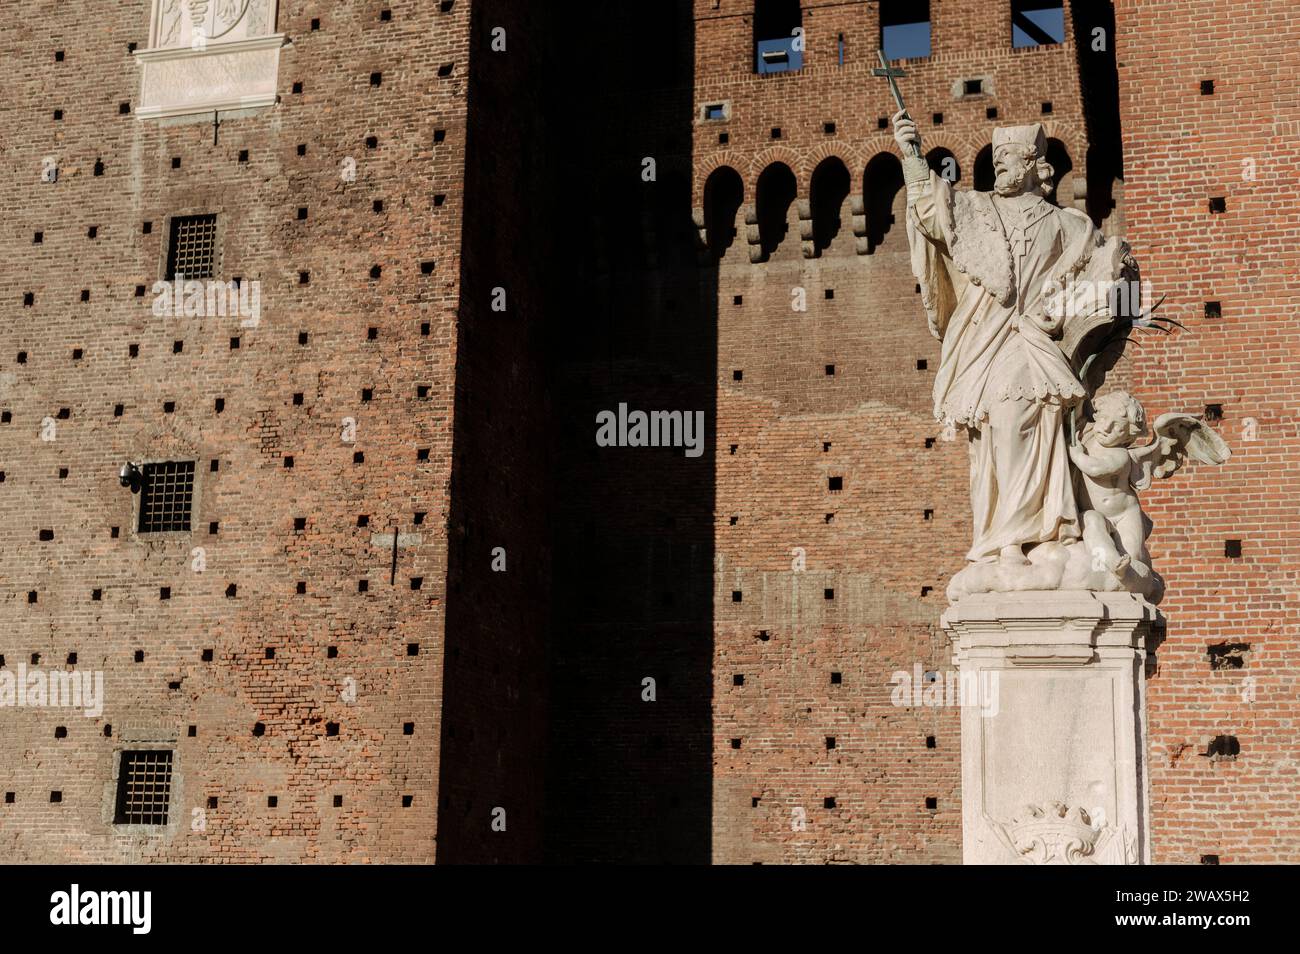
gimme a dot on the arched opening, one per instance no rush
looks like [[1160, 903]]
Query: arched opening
[[723, 193], [985, 175], [775, 191], [881, 184], [778, 45], [1059, 158], [944, 163], [829, 189]]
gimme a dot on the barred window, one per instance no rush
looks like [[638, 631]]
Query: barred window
[[193, 249], [166, 496], [144, 788]]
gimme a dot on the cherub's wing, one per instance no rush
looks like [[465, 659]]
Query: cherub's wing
[[1176, 438]]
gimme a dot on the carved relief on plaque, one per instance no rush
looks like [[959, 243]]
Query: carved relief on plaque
[[209, 55]]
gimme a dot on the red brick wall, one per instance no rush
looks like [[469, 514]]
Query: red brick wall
[[1181, 149], [370, 763]]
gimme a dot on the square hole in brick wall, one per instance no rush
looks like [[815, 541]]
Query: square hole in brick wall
[[929, 742], [1232, 549], [1213, 309], [828, 801], [931, 803], [1223, 748], [1218, 205], [1227, 655]]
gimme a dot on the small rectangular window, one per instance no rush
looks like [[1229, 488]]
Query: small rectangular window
[[1037, 22], [144, 788], [904, 29], [166, 496], [715, 111], [192, 251]]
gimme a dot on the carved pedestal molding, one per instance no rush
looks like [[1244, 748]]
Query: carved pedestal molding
[[1054, 766]]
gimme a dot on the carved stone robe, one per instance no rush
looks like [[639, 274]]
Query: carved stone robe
[[982, 262]]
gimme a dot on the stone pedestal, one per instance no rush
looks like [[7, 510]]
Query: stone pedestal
[[1054, 764]]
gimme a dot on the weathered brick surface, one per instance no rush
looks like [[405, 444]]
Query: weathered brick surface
[[1182, 148], [253, 497]]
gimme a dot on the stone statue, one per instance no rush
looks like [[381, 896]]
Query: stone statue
[[1022, 295]]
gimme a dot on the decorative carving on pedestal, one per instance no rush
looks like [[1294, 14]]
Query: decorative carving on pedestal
[[1056, 834], [208, 56]]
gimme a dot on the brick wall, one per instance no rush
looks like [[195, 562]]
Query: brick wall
[[96, 590], [1182, 148]]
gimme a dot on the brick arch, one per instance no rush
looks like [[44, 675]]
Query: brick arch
[[845, 153], [874, 145], [707, 167], [767, 157], [1070, 135]]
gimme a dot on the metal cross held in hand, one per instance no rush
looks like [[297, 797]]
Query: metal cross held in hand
[[893, 73]]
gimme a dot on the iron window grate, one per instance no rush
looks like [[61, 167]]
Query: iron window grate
[[166, 496], [193, 249], [144, 788]]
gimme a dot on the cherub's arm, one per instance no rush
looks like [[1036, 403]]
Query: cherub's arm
[[1093, 466]]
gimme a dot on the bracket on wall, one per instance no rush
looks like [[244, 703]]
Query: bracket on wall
[[806, 240], [752, 235], [858, 209]]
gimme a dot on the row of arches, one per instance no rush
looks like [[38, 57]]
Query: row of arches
[[830, 200]]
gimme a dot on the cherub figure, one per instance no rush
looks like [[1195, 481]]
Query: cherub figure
[[1111, 472]]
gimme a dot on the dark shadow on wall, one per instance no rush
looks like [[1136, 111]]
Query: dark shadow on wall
[[631, 323], [494, 692], [1094, 37]]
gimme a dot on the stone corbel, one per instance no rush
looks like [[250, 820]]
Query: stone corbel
[[858, 210], [752, 234], [806, 239]]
